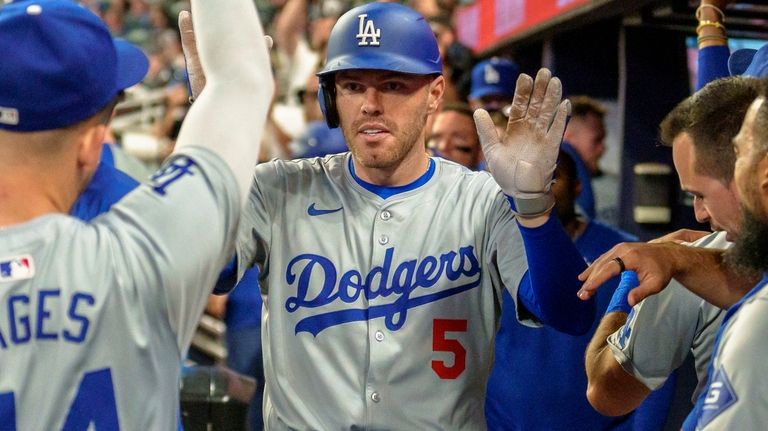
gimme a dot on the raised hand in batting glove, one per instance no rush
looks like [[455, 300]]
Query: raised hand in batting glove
[[523, 160], [189, 46]]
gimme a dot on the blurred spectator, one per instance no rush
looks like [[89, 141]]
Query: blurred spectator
[[457, 58], [493, 84], [301, 32], [454, 136], [317, 140], [584, 141]]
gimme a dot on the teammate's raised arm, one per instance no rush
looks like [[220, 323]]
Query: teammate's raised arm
[[130, 274], [522, 161], [229, 116]]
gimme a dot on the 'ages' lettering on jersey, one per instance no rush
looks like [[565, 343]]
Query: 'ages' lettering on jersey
[[37, 317]]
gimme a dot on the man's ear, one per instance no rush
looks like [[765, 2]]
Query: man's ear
[[436, 91], [89, 148], [762, 171]]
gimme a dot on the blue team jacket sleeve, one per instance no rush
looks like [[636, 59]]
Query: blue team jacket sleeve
[[548, 289], [713, 64]]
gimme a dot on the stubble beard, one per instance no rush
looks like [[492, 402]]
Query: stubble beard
[[394, 155]]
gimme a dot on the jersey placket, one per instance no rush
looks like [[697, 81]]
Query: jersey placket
[[381, 340]]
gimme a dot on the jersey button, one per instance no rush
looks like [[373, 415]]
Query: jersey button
[[383, 240], [379, 336], [386, 215], [375, 397]]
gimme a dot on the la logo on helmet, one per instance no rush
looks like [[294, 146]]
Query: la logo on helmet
[[491, 75], [366, 30]]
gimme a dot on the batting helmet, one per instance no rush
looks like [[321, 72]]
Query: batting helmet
[[377, 36]]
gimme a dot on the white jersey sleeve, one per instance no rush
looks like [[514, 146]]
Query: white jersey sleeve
[[737, 395], [169, 255], [663, 328]]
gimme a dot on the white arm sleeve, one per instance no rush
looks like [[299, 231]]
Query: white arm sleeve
[[229, 116]]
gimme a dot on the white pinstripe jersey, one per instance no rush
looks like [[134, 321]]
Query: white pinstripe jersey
[[95, 318], [663, 328], [380, 313]]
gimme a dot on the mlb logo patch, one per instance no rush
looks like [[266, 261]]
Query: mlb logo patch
[[17, 268]]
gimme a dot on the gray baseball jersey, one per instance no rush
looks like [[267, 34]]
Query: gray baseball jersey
[[95, 318], [737, 394], [663, 328], [380, 313]]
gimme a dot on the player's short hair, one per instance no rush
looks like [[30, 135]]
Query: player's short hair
[[714, 117], [582, 106], [459, 107], [675, 122]]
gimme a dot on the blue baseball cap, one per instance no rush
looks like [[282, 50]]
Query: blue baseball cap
[[60, 65], [749, 62], [495, 76]]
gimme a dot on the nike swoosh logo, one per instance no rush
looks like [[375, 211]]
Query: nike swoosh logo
[[316, 212]]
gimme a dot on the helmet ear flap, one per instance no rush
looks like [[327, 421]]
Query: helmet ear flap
[[326, 96]]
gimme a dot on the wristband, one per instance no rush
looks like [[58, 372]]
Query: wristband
[[532, 207], [619, 301]]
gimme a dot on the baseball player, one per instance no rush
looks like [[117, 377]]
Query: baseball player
[[95, 318], [652, 343], [659, 331], [383, 268], [736, 391]]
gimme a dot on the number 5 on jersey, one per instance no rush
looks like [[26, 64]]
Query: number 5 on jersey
[[441, 342]]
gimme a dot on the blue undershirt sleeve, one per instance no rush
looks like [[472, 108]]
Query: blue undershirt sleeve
[[713, 64], [548, 289]]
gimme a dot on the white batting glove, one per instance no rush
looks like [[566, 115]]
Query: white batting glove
[[523, 160], [189, 46]]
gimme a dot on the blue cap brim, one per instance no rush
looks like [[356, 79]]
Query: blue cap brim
[[132, 64], [740, 60], [489, 90]]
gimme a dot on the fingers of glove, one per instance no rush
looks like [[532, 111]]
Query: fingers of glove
[[551, 103], [555, 133], [540, 85], [269, 41], [486, 130], [523, 89]]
